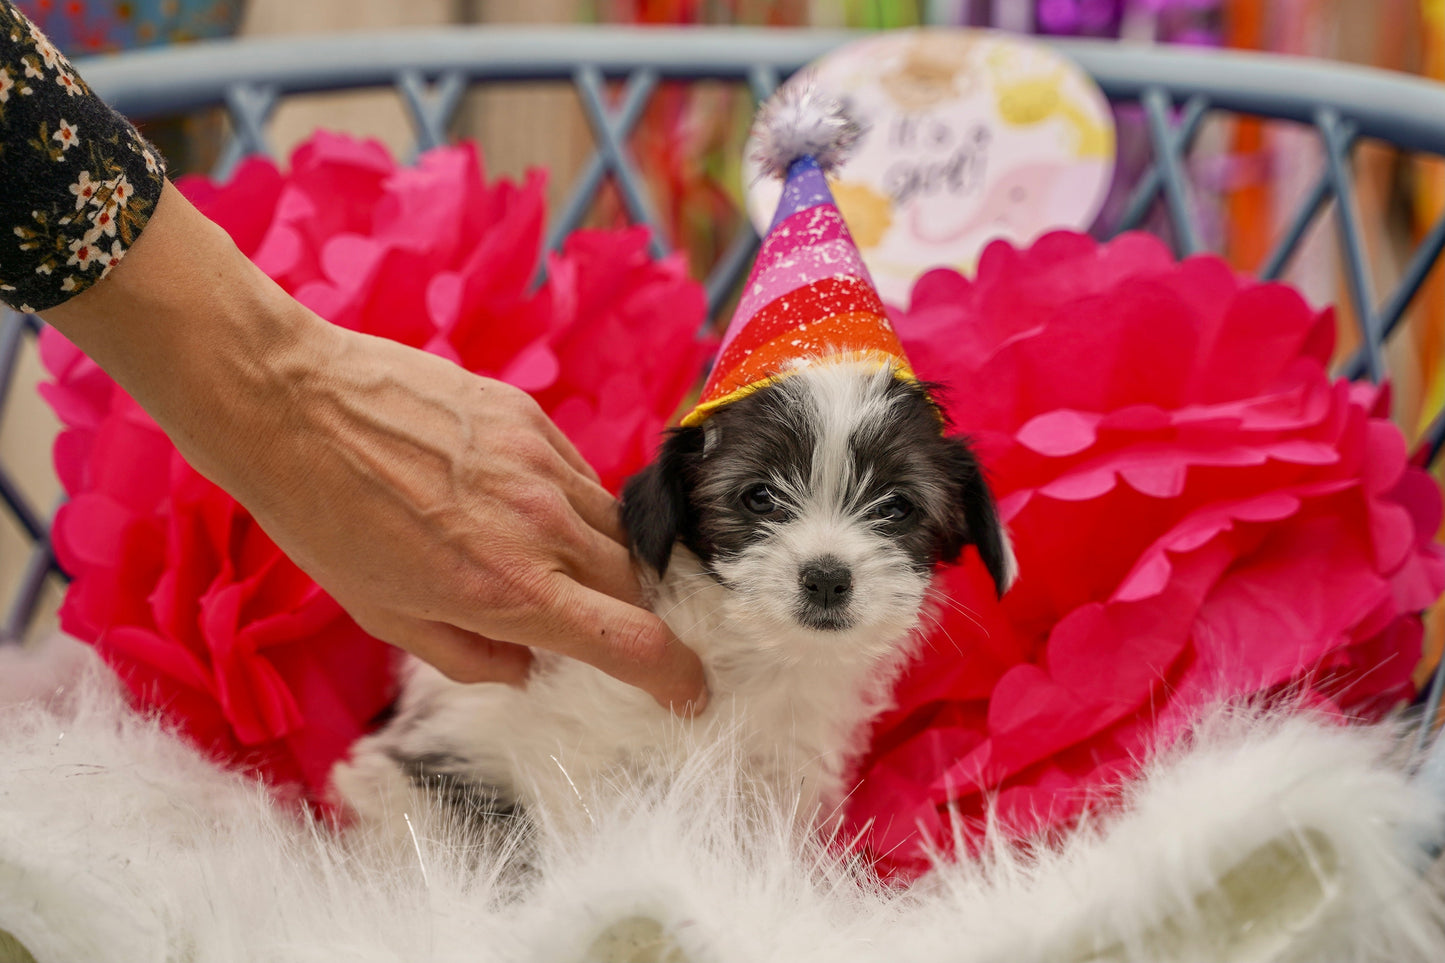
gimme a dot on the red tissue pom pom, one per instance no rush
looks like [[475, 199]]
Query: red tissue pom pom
[[178, 588], [1198, 511]]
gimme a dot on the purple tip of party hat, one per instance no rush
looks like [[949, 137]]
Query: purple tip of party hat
[[805, 187]]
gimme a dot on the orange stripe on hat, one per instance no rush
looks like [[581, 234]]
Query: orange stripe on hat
[[821, 299], [843, 338]]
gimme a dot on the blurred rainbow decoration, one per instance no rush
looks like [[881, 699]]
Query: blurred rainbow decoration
[[1430, 329], [969, 136], [686, 142], [1429, 206], [107, 26]]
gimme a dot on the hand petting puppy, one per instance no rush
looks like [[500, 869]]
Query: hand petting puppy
[[444, 511], [791, 528]]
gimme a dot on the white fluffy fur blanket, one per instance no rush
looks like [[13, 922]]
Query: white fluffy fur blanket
[[1263, 838]]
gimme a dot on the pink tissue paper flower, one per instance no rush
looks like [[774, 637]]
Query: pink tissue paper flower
[[1199, 512]]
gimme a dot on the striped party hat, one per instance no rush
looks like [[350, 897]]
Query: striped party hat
[[809, 299]]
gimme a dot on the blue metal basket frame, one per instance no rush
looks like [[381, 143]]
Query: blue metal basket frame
[[431, 69]]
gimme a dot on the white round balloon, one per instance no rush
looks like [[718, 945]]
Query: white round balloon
[[971, 135]]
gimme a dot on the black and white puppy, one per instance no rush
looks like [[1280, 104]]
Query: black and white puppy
[[791, 541]]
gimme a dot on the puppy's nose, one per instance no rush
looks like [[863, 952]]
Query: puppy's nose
[[828, 583]]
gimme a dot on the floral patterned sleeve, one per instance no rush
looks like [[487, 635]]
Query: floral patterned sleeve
[[77, 182]]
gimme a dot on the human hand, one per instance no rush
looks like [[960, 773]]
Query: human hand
[[447, 513], [444, 511]]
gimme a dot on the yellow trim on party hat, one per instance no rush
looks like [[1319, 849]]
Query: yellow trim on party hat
[[901, 370]]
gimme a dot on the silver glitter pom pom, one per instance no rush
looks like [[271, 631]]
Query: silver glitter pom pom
[[801, 120]]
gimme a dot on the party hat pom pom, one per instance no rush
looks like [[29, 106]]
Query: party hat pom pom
[[800, 120]]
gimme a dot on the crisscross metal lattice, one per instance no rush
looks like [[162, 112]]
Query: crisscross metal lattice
[[1177, 91]]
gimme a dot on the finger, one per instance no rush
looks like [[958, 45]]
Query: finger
[[595, 506], [459, 655], [626, 642], [603, 565]]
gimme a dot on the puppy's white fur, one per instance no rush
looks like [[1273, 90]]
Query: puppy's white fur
[[560, 741], [793, 697], [120, 841]]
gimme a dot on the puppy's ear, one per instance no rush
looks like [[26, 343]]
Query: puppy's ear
[[976, 518], [655, 507]]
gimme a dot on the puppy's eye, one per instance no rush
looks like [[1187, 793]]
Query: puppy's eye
[[760, 500], [895, 508]]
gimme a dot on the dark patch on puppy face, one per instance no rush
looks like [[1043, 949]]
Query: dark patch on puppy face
[[759, 454], [657, 504], [914, 475]]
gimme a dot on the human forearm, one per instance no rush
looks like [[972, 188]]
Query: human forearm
[[198, 335]]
